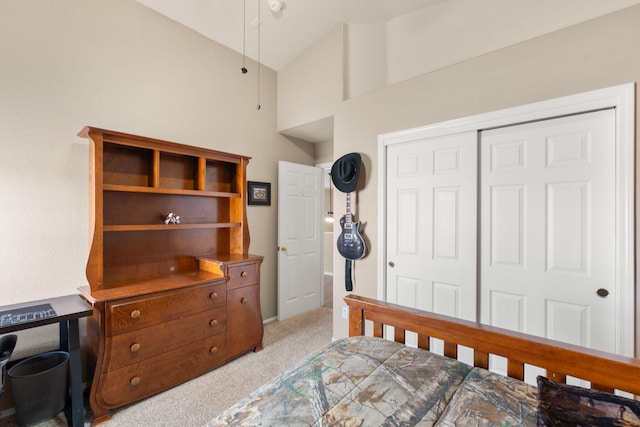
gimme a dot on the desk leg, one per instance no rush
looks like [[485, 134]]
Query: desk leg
[[70, 338]]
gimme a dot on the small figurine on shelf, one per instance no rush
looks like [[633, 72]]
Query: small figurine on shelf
[[172, 218]]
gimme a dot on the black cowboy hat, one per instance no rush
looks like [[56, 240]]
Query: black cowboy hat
[[344, 172]]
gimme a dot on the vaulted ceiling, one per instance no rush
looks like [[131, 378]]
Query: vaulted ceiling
[[283, 34]]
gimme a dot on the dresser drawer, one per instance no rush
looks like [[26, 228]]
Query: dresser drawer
[[159, 373], [243, 274], [141, 312], [141, 344], [245, 329]]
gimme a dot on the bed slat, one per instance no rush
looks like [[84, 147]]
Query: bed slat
[[451, 349], [515, 369], [601, 388], [378, 330], [559, 378], [481, 359], [424, 342]]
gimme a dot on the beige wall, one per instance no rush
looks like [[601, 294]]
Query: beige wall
[[596, 54], [310, 88], [324, 151], [356, 59], [366, 59], [453, 31], [117, 65]]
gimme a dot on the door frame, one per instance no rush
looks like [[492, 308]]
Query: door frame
[[622, 98], [325, 166]]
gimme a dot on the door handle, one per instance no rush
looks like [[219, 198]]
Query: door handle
[[282, 248], [391, 264], [602, 293]]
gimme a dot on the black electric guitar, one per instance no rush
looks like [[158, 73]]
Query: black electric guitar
[[351, 245]]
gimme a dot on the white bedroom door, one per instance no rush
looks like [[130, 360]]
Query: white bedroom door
[[431, 224], [548, 229], [300, 239]]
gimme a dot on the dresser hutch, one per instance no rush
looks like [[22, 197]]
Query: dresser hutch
[[174, 290]]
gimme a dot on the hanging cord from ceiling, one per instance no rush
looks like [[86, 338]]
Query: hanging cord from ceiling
[[329, 216], [244, 37], [259, 66]]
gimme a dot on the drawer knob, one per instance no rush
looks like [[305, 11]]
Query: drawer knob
[[243, 300], [135, 381], [213, 295], [135, 347], [213, 322], [244, 274], [213, 350], [135, 314]]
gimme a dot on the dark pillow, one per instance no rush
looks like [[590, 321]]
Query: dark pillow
[[566, 405]]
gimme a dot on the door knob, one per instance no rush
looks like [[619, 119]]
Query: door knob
[[602, 293], [391, 264], [282, 248]]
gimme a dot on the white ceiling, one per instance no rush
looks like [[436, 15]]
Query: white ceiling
[[285, 34]]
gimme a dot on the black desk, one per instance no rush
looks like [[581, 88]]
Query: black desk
[[68, 310]]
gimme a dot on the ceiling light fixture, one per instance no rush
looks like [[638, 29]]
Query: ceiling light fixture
[[275, 5]]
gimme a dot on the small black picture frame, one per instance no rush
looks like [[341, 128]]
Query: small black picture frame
[[259, 193]]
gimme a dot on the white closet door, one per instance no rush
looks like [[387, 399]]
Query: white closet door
[[548, 228], [431, 234]]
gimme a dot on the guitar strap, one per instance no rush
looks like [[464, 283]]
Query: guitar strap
[[348, 267]]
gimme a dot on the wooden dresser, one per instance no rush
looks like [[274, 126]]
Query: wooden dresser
[[174, 290]]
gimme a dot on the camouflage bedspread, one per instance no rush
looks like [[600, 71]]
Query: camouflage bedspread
[[364, 381]]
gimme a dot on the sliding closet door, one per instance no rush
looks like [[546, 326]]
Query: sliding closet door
[[431, 234], [547, 233]]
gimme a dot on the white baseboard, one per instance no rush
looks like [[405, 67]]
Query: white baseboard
[[272, 319]]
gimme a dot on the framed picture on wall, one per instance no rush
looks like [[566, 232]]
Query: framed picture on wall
[[259, 193]]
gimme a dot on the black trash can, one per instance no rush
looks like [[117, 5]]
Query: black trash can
[[40, 385]]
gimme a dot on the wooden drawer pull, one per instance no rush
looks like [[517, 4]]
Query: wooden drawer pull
[[135, 347], [213, 350], [243, 300], [135, 381], [135, 314], [213, 295], [213, 322], [244, 274]]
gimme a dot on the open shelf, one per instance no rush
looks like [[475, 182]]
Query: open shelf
[[127, 165], [169, 227], [149, 210], [152, 190], [221, 177], [137, 182], [178, 172]]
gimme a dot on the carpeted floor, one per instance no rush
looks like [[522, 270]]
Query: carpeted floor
[[197, 401]]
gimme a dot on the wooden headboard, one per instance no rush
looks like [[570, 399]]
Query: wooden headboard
[[605, 371]]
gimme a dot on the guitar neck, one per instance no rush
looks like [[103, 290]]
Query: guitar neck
[[348, 218]]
